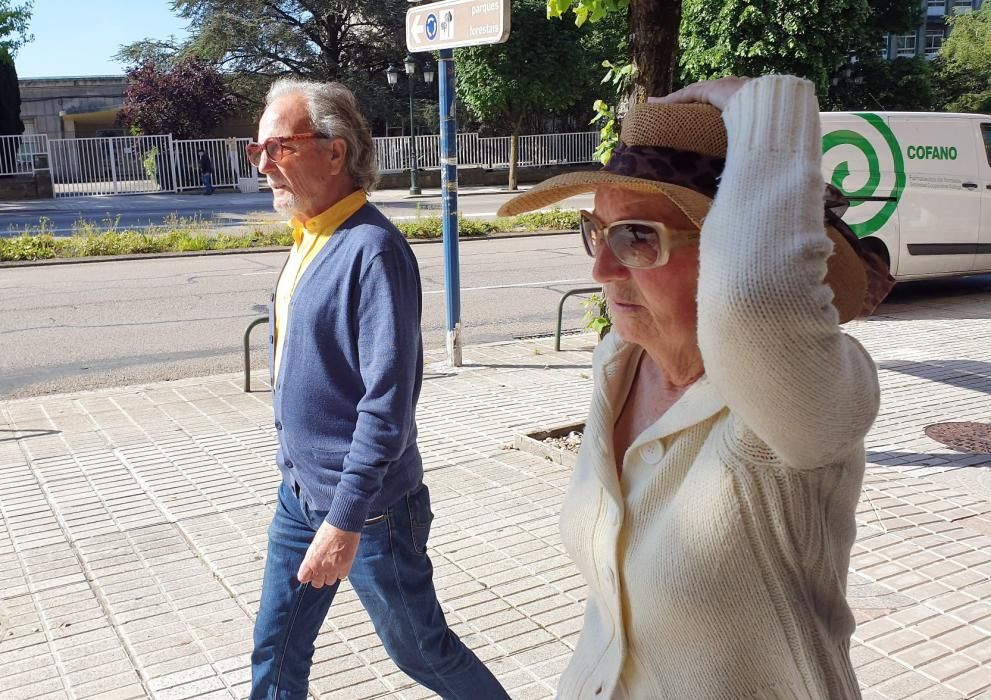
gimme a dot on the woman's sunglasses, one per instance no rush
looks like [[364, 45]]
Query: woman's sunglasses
[[275, 148], [635, 243]]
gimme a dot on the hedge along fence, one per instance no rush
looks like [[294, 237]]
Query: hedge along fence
[[178, 234]]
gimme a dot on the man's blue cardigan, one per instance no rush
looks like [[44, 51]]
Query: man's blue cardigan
[[350, 374]]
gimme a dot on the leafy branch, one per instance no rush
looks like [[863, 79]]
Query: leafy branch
[[621, 77]]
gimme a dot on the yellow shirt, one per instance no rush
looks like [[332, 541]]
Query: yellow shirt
[[309, 238]]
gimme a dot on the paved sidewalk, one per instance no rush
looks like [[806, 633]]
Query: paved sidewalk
[[132, 527]]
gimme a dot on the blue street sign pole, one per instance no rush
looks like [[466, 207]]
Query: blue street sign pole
[[449, 190]]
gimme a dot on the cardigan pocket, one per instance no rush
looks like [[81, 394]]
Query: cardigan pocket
[[329, 459]]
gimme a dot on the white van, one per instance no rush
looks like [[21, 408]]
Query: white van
[[919, 186]]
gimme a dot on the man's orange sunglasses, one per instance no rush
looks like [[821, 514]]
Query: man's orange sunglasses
[[275, 147]]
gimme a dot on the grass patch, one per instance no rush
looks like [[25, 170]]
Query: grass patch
[[178, 234]]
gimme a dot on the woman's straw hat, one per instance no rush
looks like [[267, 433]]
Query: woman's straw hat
[[679, 150]]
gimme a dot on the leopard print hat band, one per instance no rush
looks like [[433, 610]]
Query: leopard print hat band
[[695, 171]]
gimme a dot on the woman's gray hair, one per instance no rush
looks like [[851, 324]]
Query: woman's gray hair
[[334, 112]]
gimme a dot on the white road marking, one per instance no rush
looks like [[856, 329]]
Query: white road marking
[[264, 272]]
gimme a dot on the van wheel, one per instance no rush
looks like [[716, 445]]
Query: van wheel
[[876, 245]]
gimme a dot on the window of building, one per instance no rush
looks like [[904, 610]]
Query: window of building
[[961, 6], [905, 45], [986, 128], [936, 7], [934, 41]]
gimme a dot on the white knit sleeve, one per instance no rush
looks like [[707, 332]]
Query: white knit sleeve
[[768, 332]]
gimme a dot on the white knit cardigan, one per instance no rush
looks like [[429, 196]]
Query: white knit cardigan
[[716, 567]]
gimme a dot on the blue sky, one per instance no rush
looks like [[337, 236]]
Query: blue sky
[[76, 37]]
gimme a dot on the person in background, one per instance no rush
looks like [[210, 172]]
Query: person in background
[[206, 172]]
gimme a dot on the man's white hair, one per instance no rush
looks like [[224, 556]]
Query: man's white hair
[[334, 112]]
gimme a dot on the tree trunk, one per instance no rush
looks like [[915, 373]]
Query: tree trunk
[[654, 26], [514, 154]]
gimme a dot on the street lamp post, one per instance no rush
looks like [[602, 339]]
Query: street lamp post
[[392, 74]]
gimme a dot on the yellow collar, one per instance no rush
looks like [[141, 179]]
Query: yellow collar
[[327, 222]]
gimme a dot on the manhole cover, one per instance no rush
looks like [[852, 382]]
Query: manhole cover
[[962, 437]]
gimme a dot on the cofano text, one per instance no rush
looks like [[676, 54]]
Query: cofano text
[[932, 152]]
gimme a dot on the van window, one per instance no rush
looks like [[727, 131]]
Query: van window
[[986, 128]]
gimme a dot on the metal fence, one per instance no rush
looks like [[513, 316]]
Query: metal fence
[[112, 165], [393, 152], [23, 154], [143, 164]]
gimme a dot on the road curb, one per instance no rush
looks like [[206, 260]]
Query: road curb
[[243, 251]]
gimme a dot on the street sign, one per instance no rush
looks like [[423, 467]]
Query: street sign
[[453, 23]]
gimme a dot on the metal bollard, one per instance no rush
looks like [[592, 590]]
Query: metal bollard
[[247, 351], [560, 310]]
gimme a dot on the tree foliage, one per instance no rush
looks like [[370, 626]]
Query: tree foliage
[[834, 43], [809, 38], [255, 41], [542, 67], [10, 97], [964, 64], [652, 37], [874, 83], [14, 23], [187, 100]]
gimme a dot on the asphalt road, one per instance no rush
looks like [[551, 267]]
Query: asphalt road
[[225, 209], [89, 325]]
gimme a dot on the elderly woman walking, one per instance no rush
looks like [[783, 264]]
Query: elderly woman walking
[[711, 512]]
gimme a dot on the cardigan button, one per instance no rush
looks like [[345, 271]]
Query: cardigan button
[[652, 452], [278, 425], [288, 464]]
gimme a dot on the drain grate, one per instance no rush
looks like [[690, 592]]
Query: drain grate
[[962, 437]]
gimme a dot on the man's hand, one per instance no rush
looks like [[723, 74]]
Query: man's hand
[[329, 557], [714, 92]]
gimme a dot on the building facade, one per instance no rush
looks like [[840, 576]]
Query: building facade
[[72, 107], [87, 106], [928, 38]]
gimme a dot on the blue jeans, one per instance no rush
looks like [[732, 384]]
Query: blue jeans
[[206, 179], [393, 578]]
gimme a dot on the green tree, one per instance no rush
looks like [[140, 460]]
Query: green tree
[[10, 109], [868, 81], [256, 41], [964, 64], [14, 23], [543, 66], [10, 97], [809, 38], [874, 83], [652, 46]]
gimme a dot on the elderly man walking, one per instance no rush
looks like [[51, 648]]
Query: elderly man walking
[[346, 357]]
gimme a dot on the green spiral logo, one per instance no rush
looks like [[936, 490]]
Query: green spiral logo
[[870, 188]]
